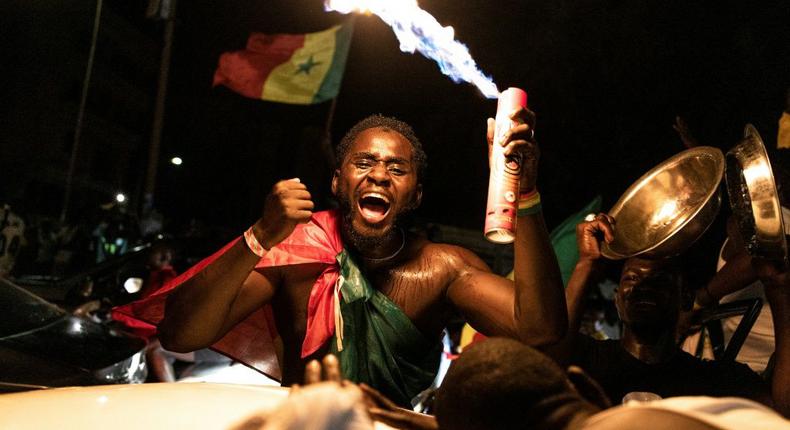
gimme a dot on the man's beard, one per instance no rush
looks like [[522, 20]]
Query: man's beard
[[368, 242]]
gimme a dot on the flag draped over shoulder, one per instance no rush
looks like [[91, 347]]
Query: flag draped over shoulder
[[252, 341], [288, 68], [381, 346]]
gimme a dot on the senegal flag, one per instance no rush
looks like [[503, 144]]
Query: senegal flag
[[288, 68]]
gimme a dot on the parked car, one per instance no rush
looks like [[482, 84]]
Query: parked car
[[115, 281], [144, 406], [168, 406], [42, 344]]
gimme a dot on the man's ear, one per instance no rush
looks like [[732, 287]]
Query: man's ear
[[587, 387], [418, 196], [335, 178]]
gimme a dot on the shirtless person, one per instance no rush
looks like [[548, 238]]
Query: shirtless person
[[377, 182]]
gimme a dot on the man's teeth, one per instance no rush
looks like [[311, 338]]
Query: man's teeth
[[373, 206], [375, 196]]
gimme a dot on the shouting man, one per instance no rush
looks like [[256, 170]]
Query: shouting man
[[354, 283]]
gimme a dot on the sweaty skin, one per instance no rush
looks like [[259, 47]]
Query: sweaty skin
[[429, 282]]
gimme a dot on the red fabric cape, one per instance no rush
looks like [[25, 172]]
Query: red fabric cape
[[252, 340]]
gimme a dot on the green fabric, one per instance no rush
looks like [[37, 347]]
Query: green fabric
[[331, 84], [563, 239], [381, 346]]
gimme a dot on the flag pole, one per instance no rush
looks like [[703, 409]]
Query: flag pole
[[81, 113], [159, 109], [326, 139]]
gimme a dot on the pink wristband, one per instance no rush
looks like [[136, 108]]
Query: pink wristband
[[253, 244]]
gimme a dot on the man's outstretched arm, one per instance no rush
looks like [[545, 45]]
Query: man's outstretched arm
[[539, 290], [531, 309], [206, 306]]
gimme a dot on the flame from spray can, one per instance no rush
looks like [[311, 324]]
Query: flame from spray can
[[503, 181], [418, 30]]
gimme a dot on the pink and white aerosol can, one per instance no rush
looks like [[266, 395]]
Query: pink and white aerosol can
[[503, 181]]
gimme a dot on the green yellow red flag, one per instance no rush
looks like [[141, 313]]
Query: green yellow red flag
[[288, 68]]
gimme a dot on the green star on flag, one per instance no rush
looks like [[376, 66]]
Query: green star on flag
[[307, 66]]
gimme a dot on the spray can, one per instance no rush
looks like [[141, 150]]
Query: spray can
[[503, 181]]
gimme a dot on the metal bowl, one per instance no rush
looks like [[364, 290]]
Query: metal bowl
[[754, 198], [669, 207]]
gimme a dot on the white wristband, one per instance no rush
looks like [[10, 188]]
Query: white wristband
[[253, 244]]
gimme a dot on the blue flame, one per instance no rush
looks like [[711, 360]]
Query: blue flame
[[417, 30]]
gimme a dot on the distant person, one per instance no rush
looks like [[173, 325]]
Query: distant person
[[736, 279], [12, 236], [115, 232]]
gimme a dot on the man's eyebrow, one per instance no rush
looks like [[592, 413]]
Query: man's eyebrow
[[372, 156], [363, 155], [400, 160]]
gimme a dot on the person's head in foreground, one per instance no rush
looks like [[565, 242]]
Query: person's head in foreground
[[503, 384]]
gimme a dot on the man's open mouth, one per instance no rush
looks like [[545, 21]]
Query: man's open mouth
[[644, 298], [374, 207]]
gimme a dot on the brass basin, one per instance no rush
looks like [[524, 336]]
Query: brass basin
[[669, 207], [754, 198]]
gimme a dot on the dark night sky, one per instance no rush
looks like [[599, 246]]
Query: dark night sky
[[605, 77]]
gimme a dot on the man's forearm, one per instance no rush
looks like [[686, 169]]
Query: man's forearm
[[540, 301], [209, 303], [574, 296], [196, 311], [576, 291], [733, 276]]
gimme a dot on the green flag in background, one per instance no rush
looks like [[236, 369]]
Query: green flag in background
[[563, 239]]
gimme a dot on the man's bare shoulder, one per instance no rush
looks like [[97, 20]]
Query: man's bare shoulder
[[452, 256]]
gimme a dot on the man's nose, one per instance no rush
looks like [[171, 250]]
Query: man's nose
[[379, 174]]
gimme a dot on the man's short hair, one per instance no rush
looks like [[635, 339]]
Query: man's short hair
[[498, 384], [389, 124]]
